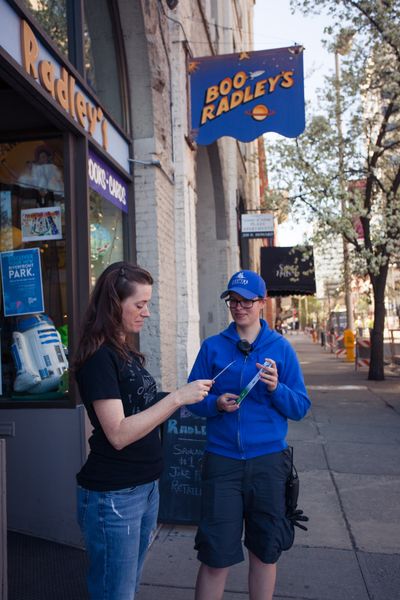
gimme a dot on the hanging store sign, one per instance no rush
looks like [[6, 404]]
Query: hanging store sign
[[21, 277], [45, 69], [257, 226], [244, 95], [288, 271], [106, 182]]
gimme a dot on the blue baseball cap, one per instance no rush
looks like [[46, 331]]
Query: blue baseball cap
[[247, 284]]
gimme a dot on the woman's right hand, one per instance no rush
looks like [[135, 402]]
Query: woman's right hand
[[195, 391]]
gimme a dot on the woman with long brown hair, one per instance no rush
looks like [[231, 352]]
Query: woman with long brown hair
[[117, 496]]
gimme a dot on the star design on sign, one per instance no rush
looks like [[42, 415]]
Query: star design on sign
[[296, 49], [244, 56], [193, 66]]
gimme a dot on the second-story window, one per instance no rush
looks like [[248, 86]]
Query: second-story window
[[101, 60], [52, 16]]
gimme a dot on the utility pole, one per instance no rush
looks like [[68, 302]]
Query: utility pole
[[342, 47]]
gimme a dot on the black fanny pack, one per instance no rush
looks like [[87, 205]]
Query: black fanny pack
[[295, 515]]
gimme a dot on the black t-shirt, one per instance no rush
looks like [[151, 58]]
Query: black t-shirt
[[106, 376]]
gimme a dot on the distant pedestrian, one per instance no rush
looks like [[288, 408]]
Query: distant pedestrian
[[332, 337], [278, 325], [359, 326], [118, 485], [247, 460]]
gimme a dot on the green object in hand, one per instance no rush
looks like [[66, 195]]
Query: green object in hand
[[252, 383]]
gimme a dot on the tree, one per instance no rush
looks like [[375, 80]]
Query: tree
[[343, 173]]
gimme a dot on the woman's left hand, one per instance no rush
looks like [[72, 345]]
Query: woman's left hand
[[269, 375]]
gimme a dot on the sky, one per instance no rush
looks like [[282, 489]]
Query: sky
[[276, 27]]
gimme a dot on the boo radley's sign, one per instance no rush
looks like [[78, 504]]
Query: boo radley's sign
[[246, 94], [62, 88], [20, 43], [257, 226]]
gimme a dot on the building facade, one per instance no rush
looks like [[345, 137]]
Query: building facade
[[97, 164]]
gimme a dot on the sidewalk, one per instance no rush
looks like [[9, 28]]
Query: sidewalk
[[347, 451]]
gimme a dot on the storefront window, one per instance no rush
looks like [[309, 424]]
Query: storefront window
[[101, 64], [108, 202], [52, 15], [34, 312], [106, 237]]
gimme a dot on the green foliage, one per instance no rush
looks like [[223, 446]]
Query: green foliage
[[343, 173]]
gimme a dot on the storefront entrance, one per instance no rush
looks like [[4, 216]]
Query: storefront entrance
[[64, 214], [35, 244]]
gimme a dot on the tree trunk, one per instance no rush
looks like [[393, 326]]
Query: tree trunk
[[376, 367]]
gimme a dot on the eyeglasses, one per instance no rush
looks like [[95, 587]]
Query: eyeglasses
[[233, 303]]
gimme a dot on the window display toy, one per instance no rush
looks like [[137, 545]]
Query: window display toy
[[38, 355]]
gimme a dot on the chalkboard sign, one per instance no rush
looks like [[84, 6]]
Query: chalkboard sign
[[184, 439]]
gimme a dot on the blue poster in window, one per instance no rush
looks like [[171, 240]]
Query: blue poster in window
[[21, 277], [246, 94]]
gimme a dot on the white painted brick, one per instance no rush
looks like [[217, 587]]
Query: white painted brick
[[175, 227]]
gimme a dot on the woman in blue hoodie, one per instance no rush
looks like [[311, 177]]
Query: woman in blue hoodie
[[247, 460]]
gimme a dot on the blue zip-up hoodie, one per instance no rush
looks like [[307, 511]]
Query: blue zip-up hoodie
[[260, 425]]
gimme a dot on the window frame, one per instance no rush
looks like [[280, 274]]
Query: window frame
[[75, 28], [6, 402]]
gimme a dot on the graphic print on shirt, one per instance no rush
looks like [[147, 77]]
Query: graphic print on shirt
[[145, 387]]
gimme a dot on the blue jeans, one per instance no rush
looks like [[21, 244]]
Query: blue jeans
[[117, 527]]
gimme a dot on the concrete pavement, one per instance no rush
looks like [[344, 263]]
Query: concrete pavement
[[347, 452]]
